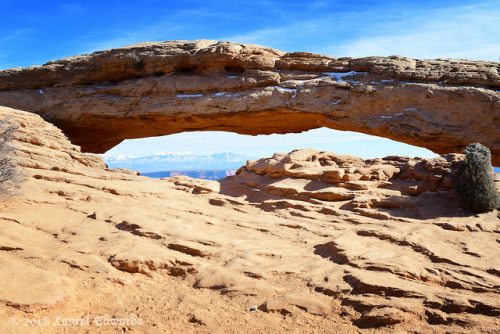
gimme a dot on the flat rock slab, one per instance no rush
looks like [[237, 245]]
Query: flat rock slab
[[29, 288]]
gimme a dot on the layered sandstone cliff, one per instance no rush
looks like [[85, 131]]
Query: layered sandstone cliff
[[318, 242], [153, 89]]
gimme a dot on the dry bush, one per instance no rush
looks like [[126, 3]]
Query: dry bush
[[475, 187], [10, 177]]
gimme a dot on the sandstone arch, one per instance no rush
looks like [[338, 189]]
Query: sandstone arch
[[152, 89]]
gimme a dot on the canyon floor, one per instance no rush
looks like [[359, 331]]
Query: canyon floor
[[317, 242]]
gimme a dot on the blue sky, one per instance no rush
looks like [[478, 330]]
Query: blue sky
[[34, 32]]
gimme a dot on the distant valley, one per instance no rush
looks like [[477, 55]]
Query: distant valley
[[209, 167], [197, 174]]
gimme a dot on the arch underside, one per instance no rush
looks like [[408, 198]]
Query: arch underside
[[108, 134]]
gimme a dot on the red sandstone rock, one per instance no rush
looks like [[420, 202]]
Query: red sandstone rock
[[152, 89]]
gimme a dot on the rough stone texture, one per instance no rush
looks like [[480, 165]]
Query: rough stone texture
[[153, 89], [318, 242], [325, 179]]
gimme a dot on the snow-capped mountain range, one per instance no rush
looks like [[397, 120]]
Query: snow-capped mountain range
[[182, 161], [177, 161]]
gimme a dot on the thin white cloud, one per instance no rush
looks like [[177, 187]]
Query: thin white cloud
[[297, 36], [16, 36], [318, 4], [171, 27], [265, 37], [125, 36], [8, 41], [459, 32], [73, 8], [455, 32]]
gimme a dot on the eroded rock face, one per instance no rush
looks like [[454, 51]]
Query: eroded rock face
[[153, 89], [371, 188]]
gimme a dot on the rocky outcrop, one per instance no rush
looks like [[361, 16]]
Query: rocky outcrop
[[153, 89], [41, 145], [377, 188]]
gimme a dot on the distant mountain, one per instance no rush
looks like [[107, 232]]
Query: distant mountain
[[178, 162], [197, 174]]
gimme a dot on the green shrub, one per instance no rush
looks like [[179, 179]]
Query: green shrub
[[475, 188], [9, 176]]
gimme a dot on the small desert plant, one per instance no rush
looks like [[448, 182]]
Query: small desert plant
[[137, 61], [9, 176], [475, 188]]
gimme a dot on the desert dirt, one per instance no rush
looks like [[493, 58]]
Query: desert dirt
[[319, 243]]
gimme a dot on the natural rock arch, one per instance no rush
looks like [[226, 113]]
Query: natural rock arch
[[153, 89]]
